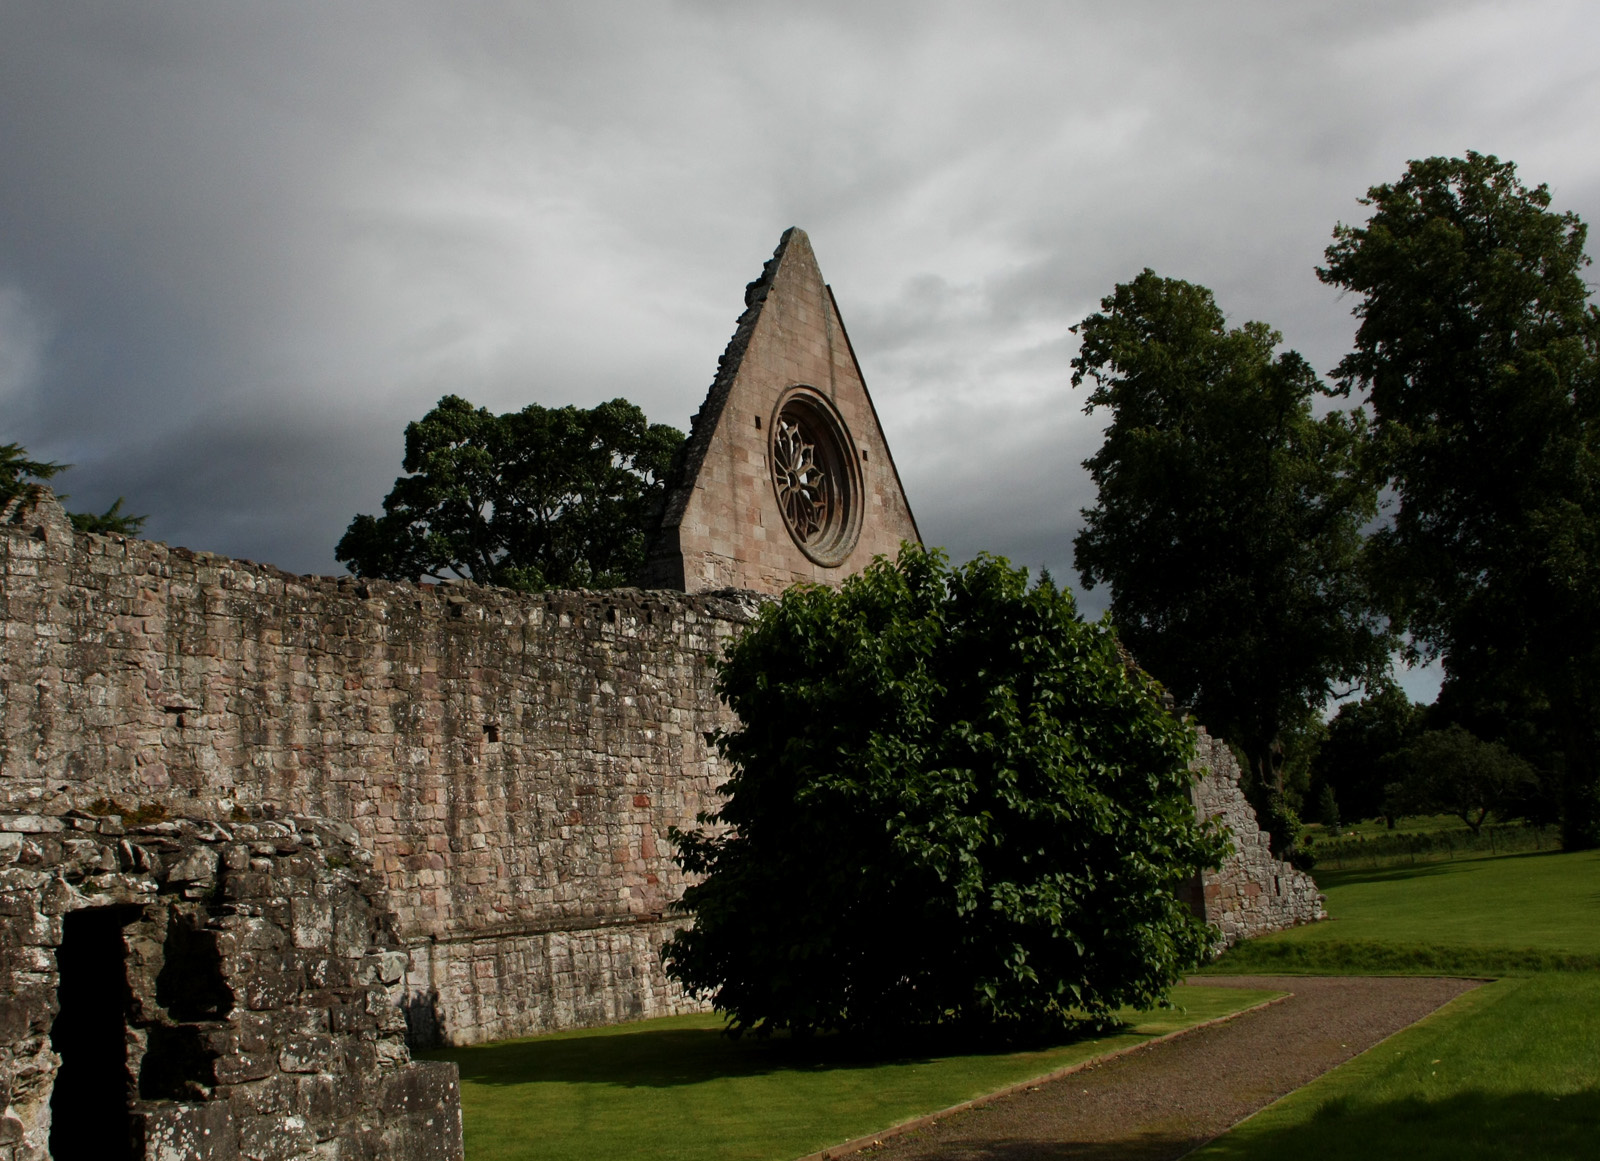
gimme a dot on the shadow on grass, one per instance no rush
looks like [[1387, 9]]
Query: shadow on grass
[[670, 1057], [1363, 957], [1464, 1126], [1333, 877]]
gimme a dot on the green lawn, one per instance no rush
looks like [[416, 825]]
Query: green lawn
[[677, 1089], [1511, 1070], [1475, 916]]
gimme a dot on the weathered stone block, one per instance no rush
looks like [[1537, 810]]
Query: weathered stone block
[[263, 990], [308, 1054], [186, 1132], [284, 1137], [239, 1067], [423, 1102]]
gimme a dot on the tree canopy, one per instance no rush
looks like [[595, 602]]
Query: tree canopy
[[1450, 771], [952, 801], [1228, 520], [1360, 737], [1479, 354], [545, 497]]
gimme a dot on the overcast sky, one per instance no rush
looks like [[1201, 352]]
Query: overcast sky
[[242, 244]]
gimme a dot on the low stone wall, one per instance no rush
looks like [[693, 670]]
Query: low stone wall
[[1252, 893], [189, 989]]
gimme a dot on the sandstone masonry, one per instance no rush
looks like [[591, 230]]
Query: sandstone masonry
[[1252, 892], [242, 982], [724, 525], [502, 769], [511, 762]]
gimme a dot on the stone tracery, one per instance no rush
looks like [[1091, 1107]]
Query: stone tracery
[[804, 489], [815, 478]]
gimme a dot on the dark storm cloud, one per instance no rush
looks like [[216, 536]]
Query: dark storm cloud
[[241, 245]]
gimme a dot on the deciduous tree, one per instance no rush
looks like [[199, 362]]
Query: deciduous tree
[[1450, 771], [545, 497], [1479, 353], [951, 802], [1228, 521], [1360, 736]]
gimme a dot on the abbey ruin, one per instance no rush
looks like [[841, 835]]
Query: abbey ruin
[[263, 834]]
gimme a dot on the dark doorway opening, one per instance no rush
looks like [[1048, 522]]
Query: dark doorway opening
[[89, 1106]]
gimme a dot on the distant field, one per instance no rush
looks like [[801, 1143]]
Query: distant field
[[1373, 827], [1511, 1070], [678, 1090], [1421, 840]]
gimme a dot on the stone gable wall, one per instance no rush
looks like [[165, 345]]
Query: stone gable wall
[[722, 526]]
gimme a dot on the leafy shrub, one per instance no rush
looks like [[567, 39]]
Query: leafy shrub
[[952, 802]]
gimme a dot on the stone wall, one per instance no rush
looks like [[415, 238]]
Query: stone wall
[[189, 989], [512, 762], [1252, 893]]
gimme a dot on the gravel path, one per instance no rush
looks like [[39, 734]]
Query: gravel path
[[1162, 1101]]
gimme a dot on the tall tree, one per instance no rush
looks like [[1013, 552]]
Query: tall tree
[[20, 476], [545, 497], [1228, 520], [1477, 349]]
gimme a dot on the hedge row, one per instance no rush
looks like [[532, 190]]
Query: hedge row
[[1403, 848]]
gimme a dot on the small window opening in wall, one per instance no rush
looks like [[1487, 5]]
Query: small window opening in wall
[[491, 732], [758, 423], [863, 454], [89, 1104]]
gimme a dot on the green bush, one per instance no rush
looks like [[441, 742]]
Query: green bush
[[952, 802]]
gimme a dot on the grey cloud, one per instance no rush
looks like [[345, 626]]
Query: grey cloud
[[241, 246]]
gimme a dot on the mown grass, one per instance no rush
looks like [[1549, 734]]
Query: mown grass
[[1511, 1070], [676, 1089], [1520, 913]]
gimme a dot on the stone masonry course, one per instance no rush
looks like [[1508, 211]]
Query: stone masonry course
[[513, 762]]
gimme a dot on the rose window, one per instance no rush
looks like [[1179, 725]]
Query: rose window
[[803, 487], [815, 476]]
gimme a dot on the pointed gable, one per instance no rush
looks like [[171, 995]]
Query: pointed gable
[[786, 476]]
